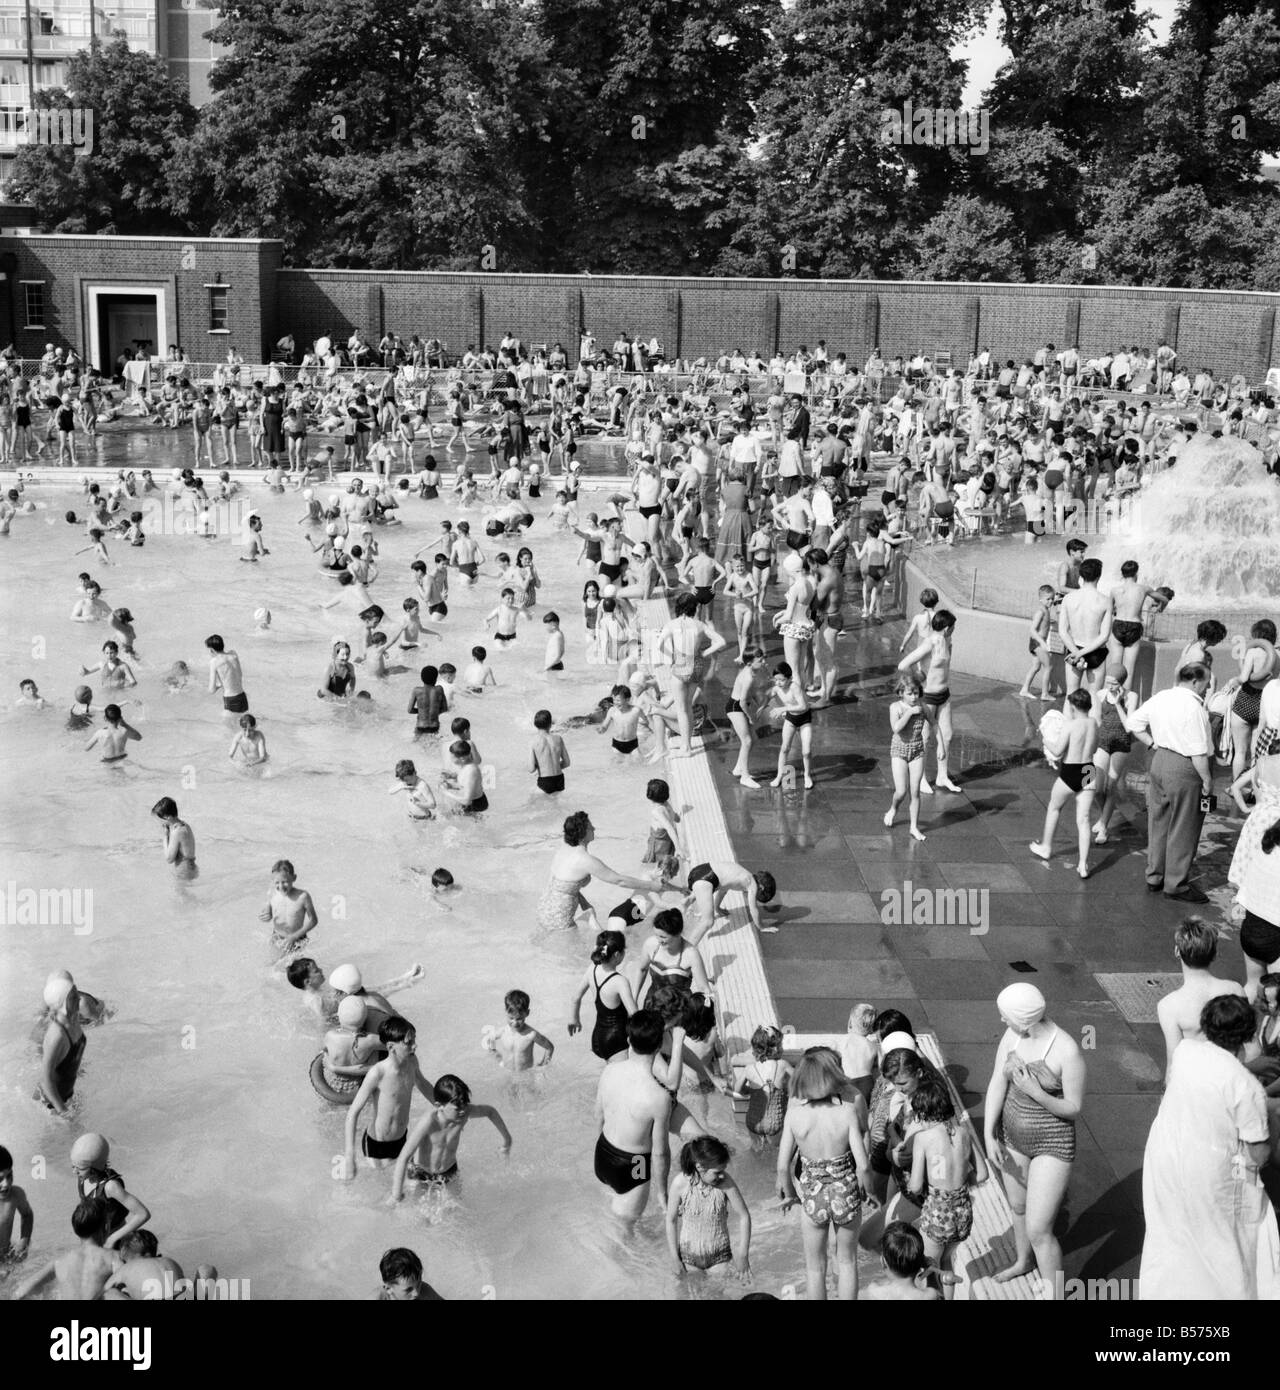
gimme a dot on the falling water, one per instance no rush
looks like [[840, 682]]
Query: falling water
[[1209, 528]]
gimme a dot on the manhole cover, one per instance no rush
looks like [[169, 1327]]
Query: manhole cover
[[1136, 995]]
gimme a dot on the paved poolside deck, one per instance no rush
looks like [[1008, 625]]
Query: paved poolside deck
[[834, 859]]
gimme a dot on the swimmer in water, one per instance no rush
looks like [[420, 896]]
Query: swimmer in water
[[289, 909], [81, 1274], [390, 1085], [430, 1153], [90, 608], [250, 745], [114, 738], [178, 676], [422, 801], [13, 1204], [479, 673], [179, 839], [513, 1044], [116, 674], [80, 715], [624, 719], [469, 790], [29, 695], [401, 1273]]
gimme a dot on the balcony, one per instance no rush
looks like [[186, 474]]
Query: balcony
[[65, 33]]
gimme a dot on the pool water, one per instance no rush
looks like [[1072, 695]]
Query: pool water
[[200, 1078]]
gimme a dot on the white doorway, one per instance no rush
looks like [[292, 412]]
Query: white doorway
[[123, 318]]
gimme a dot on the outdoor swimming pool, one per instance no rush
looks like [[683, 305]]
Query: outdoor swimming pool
[[200, 1079]]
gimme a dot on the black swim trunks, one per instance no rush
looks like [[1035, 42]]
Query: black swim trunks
[[704, 595], [551, 785], [936, 698], [505, 636], [235, 704], [1126, 633], [1092, 660], [481, 803], [626, 745], [701, 873], [381, 1148], [799, 718], [620, 1170]]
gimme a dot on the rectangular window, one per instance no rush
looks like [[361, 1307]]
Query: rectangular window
[[218, 309], [33, 296]]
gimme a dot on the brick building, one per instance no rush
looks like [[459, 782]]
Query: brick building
[[104, 295]]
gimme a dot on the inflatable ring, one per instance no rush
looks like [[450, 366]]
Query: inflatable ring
[[322, 1087]]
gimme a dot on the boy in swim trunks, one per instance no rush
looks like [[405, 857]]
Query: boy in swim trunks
[[936, 646], [390, 1085], [624, 719], [1127, 627], [1085, 626], [479, 674], [224, 674], [504, 617], [1038, 644], [289, 909], [468, 790], [422, 801], [114, 738], [708, 885], [548, 757], [431, 1153], [513, 1044], [428, 703], [82, 1273], [703, 572]]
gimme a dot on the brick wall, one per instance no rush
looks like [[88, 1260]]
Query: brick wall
[[1230, 332]]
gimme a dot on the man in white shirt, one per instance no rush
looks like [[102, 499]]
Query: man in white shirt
[[1120, 371], [1175, 724]]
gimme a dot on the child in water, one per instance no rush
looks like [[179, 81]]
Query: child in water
[[250, 745], [422, 801], [513, 1044], [290, 909], [430, 1152], [860, 1055], [701, 1197], [769, 1074]]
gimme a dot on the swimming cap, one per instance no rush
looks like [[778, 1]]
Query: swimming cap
[[56, 990], [352, 1012], [307, 494], [71, 517], [609, 591], [1022, 1004], [1116, 672], [893, 1041], [346, 978], [83, 694], [91, 1150]]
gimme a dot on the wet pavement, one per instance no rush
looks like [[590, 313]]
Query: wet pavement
[[838, 870]]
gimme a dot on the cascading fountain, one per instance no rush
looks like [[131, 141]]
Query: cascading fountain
[[1209, 527]]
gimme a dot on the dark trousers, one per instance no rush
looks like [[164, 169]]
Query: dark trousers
[[1174, 819]]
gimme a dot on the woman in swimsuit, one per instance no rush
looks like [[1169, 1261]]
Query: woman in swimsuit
[[824, 1127], [572, 869], [1072, 754], [795, 622], [742, 710], [1036, 1092], [1255, 872], [1112, 706], [1257, 667], [668, 959], [63, 1049], [614, 1000], [797, 718], [682, 641]]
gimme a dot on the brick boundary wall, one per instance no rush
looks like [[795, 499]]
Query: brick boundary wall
[[1228, 331]]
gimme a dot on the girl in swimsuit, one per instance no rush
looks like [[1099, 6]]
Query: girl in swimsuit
[[769, 1075], [906, 751], [824, 1127], [741, 588], [1073, 756], [797, 718], [1112, 706], [795, 623], [761, 547], [527, 582], [741, 709], [614, 1000], [64, 1045], [591, 612], [340, 678], [1036, 1092], [698, 1206]]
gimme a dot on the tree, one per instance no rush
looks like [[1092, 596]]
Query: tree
[[375, 133], [137, 117]]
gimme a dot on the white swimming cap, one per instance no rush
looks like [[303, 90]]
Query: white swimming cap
[[609, 591], [893, 1041], [1021, 1004], [92, 1150], [57, 989], [352, 1012], [346, 978], [307, 494]]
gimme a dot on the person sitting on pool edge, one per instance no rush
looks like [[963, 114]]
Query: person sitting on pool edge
[[708, 885]]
